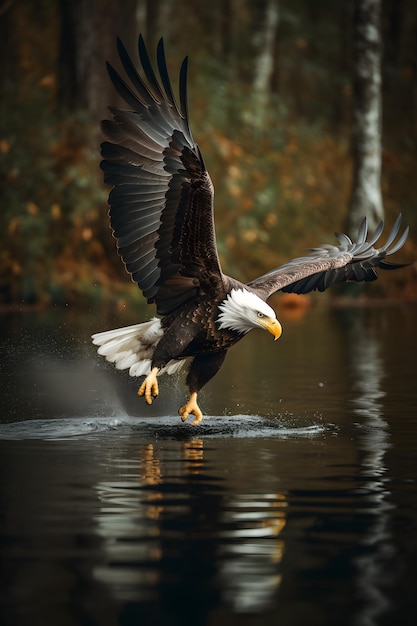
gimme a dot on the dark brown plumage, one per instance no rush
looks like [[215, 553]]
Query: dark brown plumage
[[161, 213]]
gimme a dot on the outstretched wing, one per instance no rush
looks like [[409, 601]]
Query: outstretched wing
[[329, 265], [161, 204]]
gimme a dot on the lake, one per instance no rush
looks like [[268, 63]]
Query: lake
[[294, 502]]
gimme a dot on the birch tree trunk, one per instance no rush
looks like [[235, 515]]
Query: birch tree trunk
[[366, 199], [264, 62], [158, 22]]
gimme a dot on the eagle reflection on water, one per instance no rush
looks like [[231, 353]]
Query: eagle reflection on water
[[167, 511]]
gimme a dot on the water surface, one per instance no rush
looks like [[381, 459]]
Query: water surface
[[294, 502]]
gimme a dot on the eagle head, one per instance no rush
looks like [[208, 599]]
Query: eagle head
[[242, 311]]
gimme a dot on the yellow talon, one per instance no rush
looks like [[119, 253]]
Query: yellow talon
[[149, 387], [193, 408]]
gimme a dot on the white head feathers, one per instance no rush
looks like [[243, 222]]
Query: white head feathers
[[242, 310]]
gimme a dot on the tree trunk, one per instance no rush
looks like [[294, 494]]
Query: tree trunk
[[366, 199], [264, 62], [87, 39], [7, 44]]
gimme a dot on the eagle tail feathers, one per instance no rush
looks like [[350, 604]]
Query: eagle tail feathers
[[132, 348]]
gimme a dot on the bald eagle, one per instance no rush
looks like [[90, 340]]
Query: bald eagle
[[161, 214]]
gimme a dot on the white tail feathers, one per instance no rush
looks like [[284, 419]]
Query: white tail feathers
[[132, 348]]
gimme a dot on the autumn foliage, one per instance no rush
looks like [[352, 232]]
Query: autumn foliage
[[279, 188]]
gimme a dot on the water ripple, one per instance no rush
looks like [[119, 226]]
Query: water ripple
[[168, 426]]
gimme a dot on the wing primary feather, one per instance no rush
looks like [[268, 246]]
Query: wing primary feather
[[344, 240], [386, 265], [133, 74], [122, 88], [393, 233], [400, 242], [163, 71], [183, 89], [376, 235], [363, 231], [148, 69]]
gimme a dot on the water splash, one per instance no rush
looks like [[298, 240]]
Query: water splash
[[248, 426]]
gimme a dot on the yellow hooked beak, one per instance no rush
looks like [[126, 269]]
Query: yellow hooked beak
[[272, 326]]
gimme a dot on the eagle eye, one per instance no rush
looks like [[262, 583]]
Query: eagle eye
[[260, 314]]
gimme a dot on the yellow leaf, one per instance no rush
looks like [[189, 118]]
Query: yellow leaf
[[270, 220], [47, 81], [32, 208], [56, 211], [12, 226], [4, 146], [87, 233]]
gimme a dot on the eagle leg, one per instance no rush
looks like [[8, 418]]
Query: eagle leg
[[193, 408], [149, 387]]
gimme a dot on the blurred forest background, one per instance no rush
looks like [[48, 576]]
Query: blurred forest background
[[277, 143]]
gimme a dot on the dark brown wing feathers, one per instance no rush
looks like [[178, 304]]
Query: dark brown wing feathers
[[161, 204], [329, 265]]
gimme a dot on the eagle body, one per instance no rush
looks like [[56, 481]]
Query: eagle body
[[162, 217], [201, 331]]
